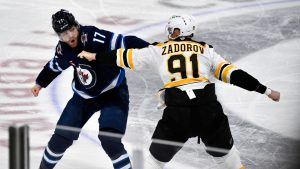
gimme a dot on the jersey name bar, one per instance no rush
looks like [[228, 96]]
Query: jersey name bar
[[182, 47]]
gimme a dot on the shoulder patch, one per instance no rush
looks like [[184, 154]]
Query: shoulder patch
[[59, 49], [84, 38]]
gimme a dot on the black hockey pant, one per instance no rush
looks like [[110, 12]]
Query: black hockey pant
[[183, 118]]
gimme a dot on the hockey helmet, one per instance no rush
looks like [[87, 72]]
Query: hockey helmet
[[63, 20], [185, 23]]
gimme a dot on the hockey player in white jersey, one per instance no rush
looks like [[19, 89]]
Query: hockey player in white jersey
[[192, 108]]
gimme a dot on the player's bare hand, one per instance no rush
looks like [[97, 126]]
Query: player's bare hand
[[87, 55], [275, 95], [35, 90]]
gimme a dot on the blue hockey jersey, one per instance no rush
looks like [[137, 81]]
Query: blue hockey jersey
[[90, 79]]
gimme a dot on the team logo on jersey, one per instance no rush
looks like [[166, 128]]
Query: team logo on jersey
[[86, 75], [59, 49], [84, 38]]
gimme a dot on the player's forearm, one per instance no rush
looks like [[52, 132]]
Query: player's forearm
[[109, 57], [244, 80], [46, 76], [135, 42]]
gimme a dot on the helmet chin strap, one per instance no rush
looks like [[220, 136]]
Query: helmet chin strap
[[180, 37], [173, 34], [170, 37]]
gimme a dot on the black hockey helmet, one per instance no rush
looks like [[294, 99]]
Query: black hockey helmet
[[63, 20]]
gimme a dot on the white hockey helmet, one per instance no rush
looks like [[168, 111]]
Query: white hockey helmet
[[185, 23]]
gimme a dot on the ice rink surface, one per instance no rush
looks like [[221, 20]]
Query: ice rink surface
[[261, 37]]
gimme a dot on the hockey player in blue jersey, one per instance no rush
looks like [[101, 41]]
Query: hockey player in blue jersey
[[95, 88]]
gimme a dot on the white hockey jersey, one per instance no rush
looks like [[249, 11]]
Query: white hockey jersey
[[179, 63]]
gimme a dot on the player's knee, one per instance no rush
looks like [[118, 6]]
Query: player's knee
[[231, 160], [111, 141], [219, 148], [59, 143], [219, 151], [68, 134], [162, 152]]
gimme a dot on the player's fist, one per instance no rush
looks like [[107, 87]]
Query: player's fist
[[87, 55], [274, 95], [35, 90]]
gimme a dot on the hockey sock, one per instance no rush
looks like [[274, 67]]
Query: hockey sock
[[122, 162], [54, 151], [115, 150], [231, 160], [152, 163]]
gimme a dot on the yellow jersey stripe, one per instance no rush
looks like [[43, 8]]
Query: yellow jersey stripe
[[120, 55], [129, 58], [242, 167], [225, 72], [217, 72], [160, 44], [184, 81]]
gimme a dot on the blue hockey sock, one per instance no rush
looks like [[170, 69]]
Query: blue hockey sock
[[122, 162], [114, 148], [54, 151]]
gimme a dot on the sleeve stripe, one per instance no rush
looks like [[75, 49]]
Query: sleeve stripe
[[60, 69], [123, 42], [130, 59], [54, 66], [113, 41], [228, 76], [221, 70], [217, 72], [120, 57], [225, 73], [125, 58]]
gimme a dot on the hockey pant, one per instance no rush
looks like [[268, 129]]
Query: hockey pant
[[184, 118]]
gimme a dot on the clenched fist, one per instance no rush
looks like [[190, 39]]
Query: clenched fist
[[87, 55], [35, 90]]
